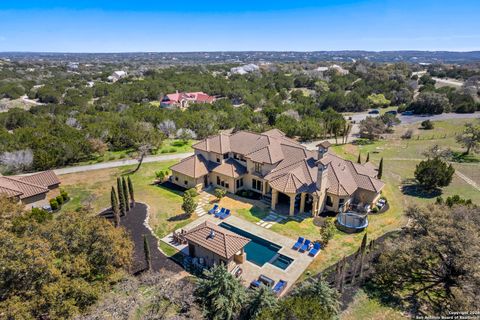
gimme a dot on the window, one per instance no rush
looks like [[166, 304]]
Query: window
[[257, 185], [185, 182], [258, 167], [225, 156], [227, 185], [176, 178], [329, 201], [218, 160], [218, 180], [239, 183], [341, 202]]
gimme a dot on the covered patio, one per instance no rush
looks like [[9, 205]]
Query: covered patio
[[293, 203]]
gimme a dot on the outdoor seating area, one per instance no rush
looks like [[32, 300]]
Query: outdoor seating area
[[277, 288], [218, 212], [303, 245]]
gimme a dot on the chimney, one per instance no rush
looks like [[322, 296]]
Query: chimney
[[322, 149]]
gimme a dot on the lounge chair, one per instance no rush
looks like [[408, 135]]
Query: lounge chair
[[279, 287], [299, 243], [315, 250], [225, 215], [220, 213], [306, 245], [214, 209]]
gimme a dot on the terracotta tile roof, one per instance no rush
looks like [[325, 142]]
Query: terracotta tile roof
[[295, 168], [29, 185], [194, 166], [324, 144], [45, 178], [26, 189], [230, 168], [222, 241]]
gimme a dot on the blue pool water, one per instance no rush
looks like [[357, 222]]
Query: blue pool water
[[260, 251]]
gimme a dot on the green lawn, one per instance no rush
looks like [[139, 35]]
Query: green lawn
[[364, 307], [94, 187]]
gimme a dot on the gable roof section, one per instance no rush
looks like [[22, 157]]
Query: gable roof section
[[45, 179], [26, 189], [224, 242], [194, 166], [29, 185], [230, 168]]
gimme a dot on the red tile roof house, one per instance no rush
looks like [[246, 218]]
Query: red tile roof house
[[287, 175], [182, 99], [29, 189]]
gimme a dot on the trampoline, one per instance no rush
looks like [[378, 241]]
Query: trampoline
[[352, 221]]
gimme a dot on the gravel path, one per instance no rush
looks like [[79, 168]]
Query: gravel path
[[121, 163]]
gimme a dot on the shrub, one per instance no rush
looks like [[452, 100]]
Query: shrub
[[189, 204], [327, 231], [54, 204], [375, 209], [427, 125], [64, 195], [59, 200], [40, 215], [220, 193], [192, 192]]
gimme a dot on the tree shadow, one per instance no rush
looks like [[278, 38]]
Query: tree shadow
[[462, 157], [180, 217], [410, 187]]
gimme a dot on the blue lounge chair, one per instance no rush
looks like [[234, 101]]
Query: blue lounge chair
[[316, 248], [214, 209], [220, 213], [305, 246], [279, 287], [299, 243], [226, 214]]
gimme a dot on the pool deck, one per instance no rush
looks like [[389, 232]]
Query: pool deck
[[250, 270]]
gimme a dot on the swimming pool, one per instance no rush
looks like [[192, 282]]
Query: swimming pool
[[260, 251]]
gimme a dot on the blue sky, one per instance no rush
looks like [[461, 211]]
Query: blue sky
[[127, 26]]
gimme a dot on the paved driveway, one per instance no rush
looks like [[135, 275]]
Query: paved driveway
[[121, 163]]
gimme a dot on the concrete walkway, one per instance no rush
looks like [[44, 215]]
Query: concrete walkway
[[121, 163]]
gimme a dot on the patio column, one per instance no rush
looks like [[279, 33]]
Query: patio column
[[292, 204], [302, 202], [274, 198], [315, 206]]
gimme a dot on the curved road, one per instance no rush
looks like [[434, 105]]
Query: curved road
[[121, 163]]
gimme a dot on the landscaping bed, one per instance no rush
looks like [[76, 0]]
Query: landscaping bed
[[134, 223]]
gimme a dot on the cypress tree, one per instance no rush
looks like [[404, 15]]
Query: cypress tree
[[130, 190], [146, 251], [125, 193], [368, 157], [115, 210], [359, 160], [380, 169], [121, 198]]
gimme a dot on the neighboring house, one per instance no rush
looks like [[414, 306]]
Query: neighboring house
[[29, 189], [245, 69], [182, 99], [216, 245], [287, 175], [117, 75]]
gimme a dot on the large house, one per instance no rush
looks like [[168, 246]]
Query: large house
[[290, 177], [29, 189], [182, 99]]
